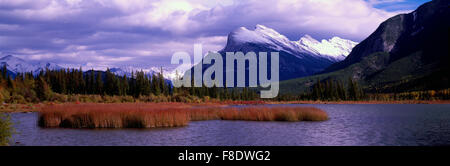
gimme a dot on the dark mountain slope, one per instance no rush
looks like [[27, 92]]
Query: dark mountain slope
[[407, 52], [426, 29]]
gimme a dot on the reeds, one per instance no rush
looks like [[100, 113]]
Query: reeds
[[291, 114], [150, 115]]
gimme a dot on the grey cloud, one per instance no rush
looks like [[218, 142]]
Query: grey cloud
[[93, 31]]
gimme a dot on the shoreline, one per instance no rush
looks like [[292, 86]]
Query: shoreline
[[365, 102], [24, 108]]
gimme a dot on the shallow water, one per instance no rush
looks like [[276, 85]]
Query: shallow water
[[352, 124]]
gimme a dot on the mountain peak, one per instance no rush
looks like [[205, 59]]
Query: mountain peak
[[244, 35], [259, 26], [17, 65], [306, 39], [337, 39], [10, 57], [7, 57], [261, 34], [267, 31], [335, 47]]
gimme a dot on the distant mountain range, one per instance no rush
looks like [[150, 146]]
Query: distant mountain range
[[407, 52], [297, 58], [16, 65]]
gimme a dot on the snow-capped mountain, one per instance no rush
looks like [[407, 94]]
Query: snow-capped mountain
[[335, 49], [17, 65], [128, 70], [297, 58], [122, 70]]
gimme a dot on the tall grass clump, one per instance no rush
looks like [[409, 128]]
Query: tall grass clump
[[150, 115], [6, 129], [136, 115], [274, 114]]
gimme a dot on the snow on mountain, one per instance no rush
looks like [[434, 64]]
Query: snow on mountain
[[128, 70], [18, 65], [300, 58], [122, 70], [262, 35], [335, 49]]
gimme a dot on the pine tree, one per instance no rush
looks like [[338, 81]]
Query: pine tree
[[99, 84], [4, 72], [43, 90], [91, 82], [341, 91], [124, 85], [354, 91], [156, 89], [81, 89], [111, 84]]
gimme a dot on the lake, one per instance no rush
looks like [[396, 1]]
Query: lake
[[349, 124]]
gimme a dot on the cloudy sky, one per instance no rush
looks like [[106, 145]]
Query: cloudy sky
[[148, 32]]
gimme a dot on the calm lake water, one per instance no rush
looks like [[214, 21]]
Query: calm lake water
[[353, 124]]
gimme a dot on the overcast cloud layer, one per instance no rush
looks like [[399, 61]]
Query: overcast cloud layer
[[142, 32]]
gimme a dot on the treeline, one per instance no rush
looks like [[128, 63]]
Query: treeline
[[333, 90], [104, 86], [443, 94], [61, 85], [219, 93], [75, 81]]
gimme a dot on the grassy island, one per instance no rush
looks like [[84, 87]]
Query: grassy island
[[151, 115]]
